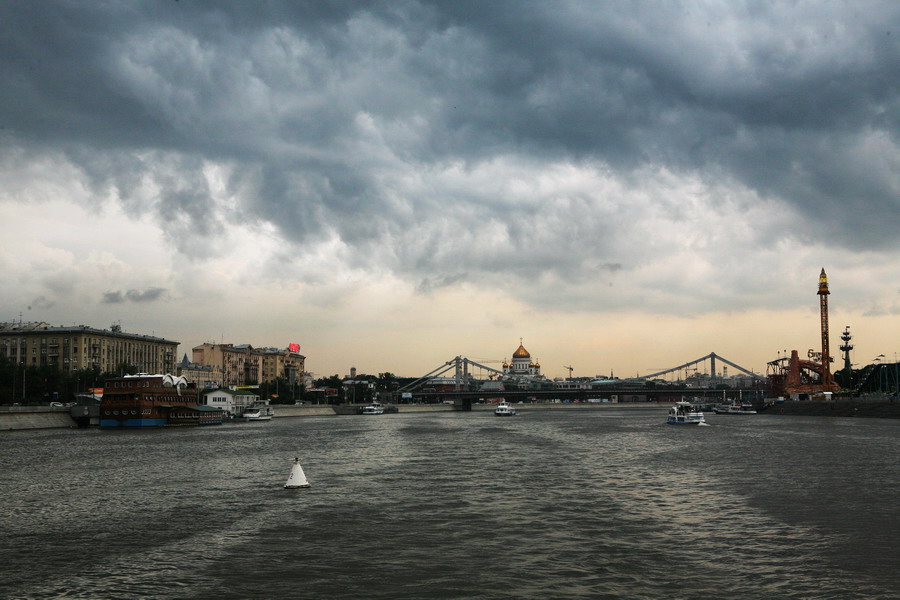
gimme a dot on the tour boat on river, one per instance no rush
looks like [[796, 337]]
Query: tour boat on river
[[373, 409], [146, 400], [684, 413], [258, 413], [504, 409]]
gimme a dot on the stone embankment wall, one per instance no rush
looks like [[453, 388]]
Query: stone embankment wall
[[305, 410], [34, 417], [353, 409], [839, 408]]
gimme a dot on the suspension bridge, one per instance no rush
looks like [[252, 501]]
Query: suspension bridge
[[464, 380], [712, 357]]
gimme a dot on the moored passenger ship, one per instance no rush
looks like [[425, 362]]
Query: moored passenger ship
[[145, 400]]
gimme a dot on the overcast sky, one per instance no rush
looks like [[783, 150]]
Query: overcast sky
[[625, 185]]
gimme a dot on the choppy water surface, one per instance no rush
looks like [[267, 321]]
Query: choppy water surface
[[590, 503]]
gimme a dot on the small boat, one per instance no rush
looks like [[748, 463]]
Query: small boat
[[684, 413], [734, 409], [504, 409], [258, 413], [373, 409], [297, 478]]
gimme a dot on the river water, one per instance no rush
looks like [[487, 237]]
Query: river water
[[584, 503]]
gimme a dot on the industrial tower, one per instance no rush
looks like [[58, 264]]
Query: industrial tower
[[813, 376], [827, 378]]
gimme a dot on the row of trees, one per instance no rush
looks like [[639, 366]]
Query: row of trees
[[20, 384], [282, 391], [363, 388], [39, 385]]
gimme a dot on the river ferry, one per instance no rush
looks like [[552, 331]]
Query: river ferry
[[145, 400], [684, 413], [504, 409], [258, 413], [373, 409]]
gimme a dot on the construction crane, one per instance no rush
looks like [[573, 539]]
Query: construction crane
[[570, 370]]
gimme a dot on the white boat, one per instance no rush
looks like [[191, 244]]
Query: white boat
[[734, 409], [504, 409], [373, 409], [684, 413], [297, 478], [258, 413]]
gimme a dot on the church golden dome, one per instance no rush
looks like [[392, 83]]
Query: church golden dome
[[521, 352]]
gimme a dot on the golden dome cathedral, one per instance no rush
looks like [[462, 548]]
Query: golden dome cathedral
[[521, 352]]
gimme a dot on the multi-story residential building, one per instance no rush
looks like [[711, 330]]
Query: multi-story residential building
[[243, 364], [81, 347], [204, 376], [286, 364], [239, 365]]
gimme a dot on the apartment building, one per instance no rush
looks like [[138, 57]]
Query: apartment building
[[70, 348], [242, 364], [204, 376], [282, 363]]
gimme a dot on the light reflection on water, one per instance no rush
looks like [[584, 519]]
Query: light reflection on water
[[592, 503]]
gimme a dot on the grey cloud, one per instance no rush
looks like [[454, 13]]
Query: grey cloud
[[116, 297], [337, 118], [41, 303], [429, 284], [136, 296]]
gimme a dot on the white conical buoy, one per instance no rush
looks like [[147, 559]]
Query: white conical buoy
[[297, 478]]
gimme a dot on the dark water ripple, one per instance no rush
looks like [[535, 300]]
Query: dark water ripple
[[554, 504]]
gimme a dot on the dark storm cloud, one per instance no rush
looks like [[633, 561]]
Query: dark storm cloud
[[347, 117], [428, 285], [41, 303], [148, 295]]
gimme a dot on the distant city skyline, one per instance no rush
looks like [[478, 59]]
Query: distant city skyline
[[551, 370], [626, 187]]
